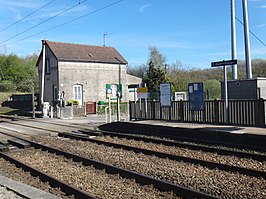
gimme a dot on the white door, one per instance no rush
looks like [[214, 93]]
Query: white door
[[77, 93]]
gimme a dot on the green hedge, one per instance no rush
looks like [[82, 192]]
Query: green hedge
[[123, 108]]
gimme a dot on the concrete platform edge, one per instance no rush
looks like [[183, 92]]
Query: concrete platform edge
[[25, 190]]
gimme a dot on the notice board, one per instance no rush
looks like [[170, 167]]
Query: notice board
[[196, 96]]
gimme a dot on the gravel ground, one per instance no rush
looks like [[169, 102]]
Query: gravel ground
[[11, 171], [215, 182], [206, 156], [87, 178], [198, 144]]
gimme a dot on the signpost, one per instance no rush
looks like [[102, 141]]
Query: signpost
[[143, 94], [224, 63]]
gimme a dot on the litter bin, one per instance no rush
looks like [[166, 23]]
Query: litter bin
[[101, 103]]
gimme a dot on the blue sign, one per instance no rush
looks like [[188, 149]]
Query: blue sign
[[166, 94], [196, 96]]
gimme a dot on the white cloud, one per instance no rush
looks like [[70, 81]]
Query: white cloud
[[19, 4], [143, 8], [259, 52], [262, 25], [263, 6]]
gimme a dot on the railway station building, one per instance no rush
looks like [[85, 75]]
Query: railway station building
[[81, 72]]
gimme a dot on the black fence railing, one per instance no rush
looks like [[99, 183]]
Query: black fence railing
[[240, 112]]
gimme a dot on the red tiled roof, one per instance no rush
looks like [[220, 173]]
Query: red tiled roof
[[85, 53]]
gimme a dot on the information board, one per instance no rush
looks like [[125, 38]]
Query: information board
[[196, 96], [142, 92], [166, 94]]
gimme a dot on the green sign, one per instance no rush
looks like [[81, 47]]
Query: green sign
[[112, 90]]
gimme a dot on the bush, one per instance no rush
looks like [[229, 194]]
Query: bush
[[123, 108], [72, 102], [7, 86]]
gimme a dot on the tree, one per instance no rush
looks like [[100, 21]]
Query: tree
[[154, 77], [179, 75], [156, 57], [139, 71], [17, 72], [212, 89]]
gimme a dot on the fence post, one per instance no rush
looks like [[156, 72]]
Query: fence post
[[130, 111], [182, 111], [260, 120], [216, 111], [153, 109]]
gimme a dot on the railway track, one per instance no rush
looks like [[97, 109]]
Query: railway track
[[163, 152], [216, 182], [234, 174], [191, 143], [41, 158], [198, 136], [257, 155]]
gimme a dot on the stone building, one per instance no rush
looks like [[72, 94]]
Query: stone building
[[81, 72]]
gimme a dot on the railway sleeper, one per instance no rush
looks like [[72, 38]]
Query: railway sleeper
[[211, 165], [4, 148], [140, 178], [4, 142], [229, 151], [68, 189], [19, 143]]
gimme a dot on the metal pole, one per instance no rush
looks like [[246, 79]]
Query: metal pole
[[118, 106], [146, 104], [43, 71], [233, 39], [135, 96], [225, 96], [106, 115], [110, 110], [247, 40], [33, 102]]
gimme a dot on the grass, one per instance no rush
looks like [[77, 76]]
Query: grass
[[7, 110], [4, 96]]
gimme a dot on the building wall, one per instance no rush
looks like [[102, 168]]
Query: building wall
[[132, 80], [93, 77], [246, 89], [51, 79], [262, 87]]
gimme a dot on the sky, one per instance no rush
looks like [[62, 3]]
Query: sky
[[194, 32]]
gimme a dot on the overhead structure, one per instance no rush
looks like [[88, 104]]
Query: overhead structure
[[233, 40], [247, 41]]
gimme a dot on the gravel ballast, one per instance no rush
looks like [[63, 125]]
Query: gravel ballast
[[206, 156], [212, 181], [87, 178]]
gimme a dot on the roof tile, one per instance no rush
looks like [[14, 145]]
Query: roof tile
[[85, 53]]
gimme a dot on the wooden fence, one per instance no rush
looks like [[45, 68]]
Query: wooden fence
[[240, 112]]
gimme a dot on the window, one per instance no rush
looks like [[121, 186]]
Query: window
[[55, 95], [78, 93], [47, 66]]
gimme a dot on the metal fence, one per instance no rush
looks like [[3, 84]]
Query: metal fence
[[240, 112]]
